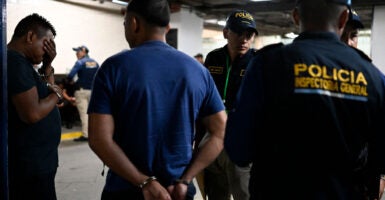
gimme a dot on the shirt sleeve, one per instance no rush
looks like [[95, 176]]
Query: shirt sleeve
[[212, 102], [101, 95], [20, 76], [75, 69]]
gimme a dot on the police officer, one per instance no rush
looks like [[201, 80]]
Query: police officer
[[85, 68], [351, 30], [308, 117], [227, 66], [350, 37]]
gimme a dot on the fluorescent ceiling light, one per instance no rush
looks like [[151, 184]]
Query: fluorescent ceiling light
[[221, 22], [259, 0], [216, 21], [211, 21], [120, 2], [291, 35]]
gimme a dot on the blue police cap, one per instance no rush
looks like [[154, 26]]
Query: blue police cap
[[355, 20], [81, 48], [240, 20]]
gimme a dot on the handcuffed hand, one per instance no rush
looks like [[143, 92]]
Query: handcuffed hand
[[178, 191], [155, 191], [57, 90], [50, 52]]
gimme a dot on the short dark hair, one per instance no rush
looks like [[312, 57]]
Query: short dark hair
[[155, 12], [33, 22], [319, 12]]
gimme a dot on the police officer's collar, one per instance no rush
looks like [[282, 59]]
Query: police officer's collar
[[249, 52], [318, 35]]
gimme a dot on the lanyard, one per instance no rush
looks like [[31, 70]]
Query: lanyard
[[228, 68]]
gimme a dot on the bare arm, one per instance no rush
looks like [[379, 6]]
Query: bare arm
[[101, 131], [210, 150], [382, 186], [72, 100], [30, 108], [206, 153]]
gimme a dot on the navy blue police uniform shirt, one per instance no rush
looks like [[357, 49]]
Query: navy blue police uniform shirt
[[86, 69], [225, 72], [306, 113]]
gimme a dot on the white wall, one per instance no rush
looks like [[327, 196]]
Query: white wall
[[190, 28], [378, 29], [101, 31]]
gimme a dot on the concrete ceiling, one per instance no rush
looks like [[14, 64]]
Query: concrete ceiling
[[272, 17]]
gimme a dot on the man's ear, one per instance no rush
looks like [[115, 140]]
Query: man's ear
[[295, 16], [168, 27], [225, 32], [135, 23], [344, 17], [29, 37]]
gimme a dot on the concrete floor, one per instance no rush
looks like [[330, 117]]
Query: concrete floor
[[79, 173]]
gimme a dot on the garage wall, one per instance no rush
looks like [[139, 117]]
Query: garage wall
[[100, 27], [378, 39]]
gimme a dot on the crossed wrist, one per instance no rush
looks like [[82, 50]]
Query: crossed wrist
[[58, 94], [153, 178], [147, 181], [182, 181], [46, 72]]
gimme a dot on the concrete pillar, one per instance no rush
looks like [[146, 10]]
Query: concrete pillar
[[3, 104], [378, 39], [189, 31]]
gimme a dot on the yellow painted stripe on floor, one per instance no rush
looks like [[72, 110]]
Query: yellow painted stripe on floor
[[70, 135]]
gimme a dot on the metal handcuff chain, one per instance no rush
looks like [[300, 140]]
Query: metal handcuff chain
[[52, 87]]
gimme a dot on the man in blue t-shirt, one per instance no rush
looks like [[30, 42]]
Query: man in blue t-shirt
[[85, 68], [143, 109]]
